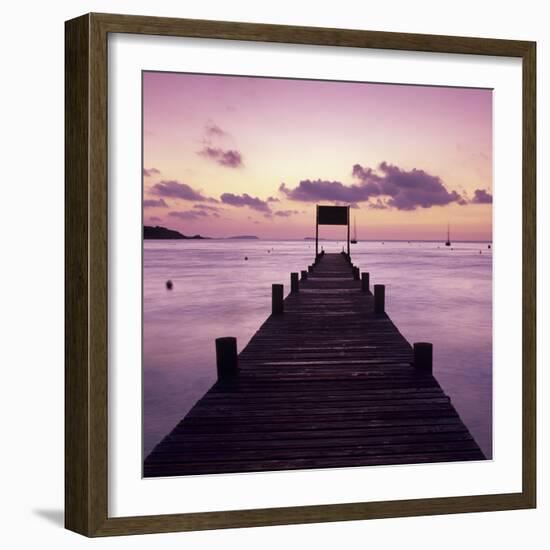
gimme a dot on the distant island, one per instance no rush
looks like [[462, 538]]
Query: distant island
[[159, 232], [246, 237]]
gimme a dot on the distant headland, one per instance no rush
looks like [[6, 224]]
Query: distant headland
[[159, 232], [245, 237]]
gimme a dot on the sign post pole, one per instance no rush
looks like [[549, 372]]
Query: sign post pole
[[348, 235], [317, 232]]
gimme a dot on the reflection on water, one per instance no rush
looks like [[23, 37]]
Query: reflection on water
[[433, 294]]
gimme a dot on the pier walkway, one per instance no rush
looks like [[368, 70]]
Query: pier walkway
[[327, 381]]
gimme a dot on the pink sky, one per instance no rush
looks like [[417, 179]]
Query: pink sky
[[218, 148]]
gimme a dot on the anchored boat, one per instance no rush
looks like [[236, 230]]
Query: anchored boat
[[448, 241], [354, 240]]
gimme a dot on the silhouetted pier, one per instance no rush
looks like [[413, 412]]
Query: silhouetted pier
[[327, 381]]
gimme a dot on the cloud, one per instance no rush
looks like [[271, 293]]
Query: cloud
[[178, 190], [401, 189], [317, 190], [188, 215], [153, 203], [207, 207], [377, 205], [230, 158], [214, 131], [147, 172], [212, 210], [273, 199], [482, 197], [285, 213], [154, 219], [246, 200]]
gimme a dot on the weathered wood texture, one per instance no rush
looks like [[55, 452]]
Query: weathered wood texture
[[327, 383]]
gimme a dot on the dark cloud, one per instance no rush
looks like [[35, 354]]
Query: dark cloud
[[178, 190], [153, 203], [273, 199], [147, 172], [482, 197], [285, 213], [401, 189], [230, 158], [188, 215], [154, 219], [316, 190], [245, 200]]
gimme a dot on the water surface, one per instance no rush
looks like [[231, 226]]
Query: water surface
[[433, 293]]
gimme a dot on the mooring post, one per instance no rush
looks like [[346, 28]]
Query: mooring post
[[226, 358], [277, 299], [303, 274], [379, 298], [356, 272], [423, 356], [365, 284], [294, 285]]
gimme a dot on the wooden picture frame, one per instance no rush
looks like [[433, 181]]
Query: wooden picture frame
[[86, 282]]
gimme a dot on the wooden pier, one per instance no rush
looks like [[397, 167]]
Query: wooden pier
[[327, 381]]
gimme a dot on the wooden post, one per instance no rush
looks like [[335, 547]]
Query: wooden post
[[356, 275], [423, 356], [379, 298], [310, 268], [277, 299], [226, 358], [365, 284], [303, 273], [294, 285]]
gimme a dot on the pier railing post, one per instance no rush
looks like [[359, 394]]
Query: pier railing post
[[294, 284], [356, 272], [277, 306], [365, 282], [303, 274], [379, 298], [310, 268], [423, 356], [226, 358]]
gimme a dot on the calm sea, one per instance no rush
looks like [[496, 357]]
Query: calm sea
[[433, 293]]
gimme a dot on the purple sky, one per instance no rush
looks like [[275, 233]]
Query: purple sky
[[232, 155]]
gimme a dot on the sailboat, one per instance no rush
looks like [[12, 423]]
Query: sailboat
[[448, 241], [354, 240]]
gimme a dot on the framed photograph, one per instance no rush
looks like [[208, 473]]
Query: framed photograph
[[300, 274]]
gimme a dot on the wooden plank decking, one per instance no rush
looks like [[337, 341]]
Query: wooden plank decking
[[328, 383]]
